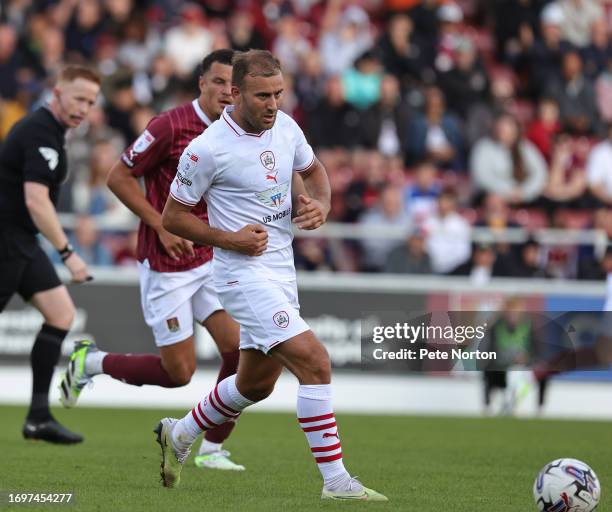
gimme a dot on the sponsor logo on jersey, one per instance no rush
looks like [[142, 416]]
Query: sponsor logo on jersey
[[267, 160], [51, 156], [143, 142], [281, 319], [173, 324], [272, 177], [274, 197], [186, 169]]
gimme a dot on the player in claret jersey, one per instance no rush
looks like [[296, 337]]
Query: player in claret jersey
[[175, 275], [244, 165]]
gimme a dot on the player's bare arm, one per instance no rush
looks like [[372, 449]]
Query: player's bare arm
[[177, 218], [45, 218], [312, 210], [297, 189], [126, 187]]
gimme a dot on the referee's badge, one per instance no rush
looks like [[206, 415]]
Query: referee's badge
[[267, 160]]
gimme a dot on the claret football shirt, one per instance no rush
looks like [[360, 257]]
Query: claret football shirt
[[154, 155]]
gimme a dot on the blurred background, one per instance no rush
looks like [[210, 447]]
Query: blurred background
[[468, 145]]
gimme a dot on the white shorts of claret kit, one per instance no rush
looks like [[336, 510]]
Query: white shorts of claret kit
[[267, 310], [171, 301]]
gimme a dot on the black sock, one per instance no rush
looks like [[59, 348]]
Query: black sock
[[43, 358]]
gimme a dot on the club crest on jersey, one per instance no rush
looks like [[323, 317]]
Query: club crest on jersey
[[173, 324], [267, 160], [274, 197], [281, 319]]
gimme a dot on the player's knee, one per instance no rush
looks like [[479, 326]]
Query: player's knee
[[181, 374], [257, 391], [63, 319], [316, 368]]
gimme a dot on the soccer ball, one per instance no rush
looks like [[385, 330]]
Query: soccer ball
[[566, 485]]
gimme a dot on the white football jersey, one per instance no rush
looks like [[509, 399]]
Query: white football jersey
[[246, 179]]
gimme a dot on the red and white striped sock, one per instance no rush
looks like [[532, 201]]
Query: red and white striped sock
[[316, 417], [223, 403]]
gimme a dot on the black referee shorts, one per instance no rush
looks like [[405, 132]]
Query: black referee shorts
[[24, 267]]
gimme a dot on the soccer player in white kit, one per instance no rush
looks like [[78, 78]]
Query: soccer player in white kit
[[243, 166]]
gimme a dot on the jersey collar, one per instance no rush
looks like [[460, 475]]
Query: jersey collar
[[232, 124], [201, 114]]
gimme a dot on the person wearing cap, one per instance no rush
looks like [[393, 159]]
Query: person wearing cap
[[345, 35], [450, 17], [578, 18], [542, 56]]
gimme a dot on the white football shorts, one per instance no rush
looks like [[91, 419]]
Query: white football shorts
[[171, 301], [268, 311]]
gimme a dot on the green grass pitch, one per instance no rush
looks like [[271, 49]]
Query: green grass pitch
[[421, 464]]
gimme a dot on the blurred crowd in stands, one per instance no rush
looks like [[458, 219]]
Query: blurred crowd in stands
[[432, 116]]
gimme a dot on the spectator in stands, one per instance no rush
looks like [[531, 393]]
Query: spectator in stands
[[242, 32], [127, 255], [545, 127], [290, 46], [599, 170], [448, 235], [189, 40], [52, 50], [388, 211], [333, 122], [410, 257], [345, 35], [93, 197], [399, 53], [310, 82], [435, 134], [421, 195], [11, 61], [578, 19], [482, 266], [384, 125], [495, 214], [496, 217], [122, 101], [467, 83], [370, 178], [594, 268], [361, 83], [575, 94], [541, 57], [567, 180], [312, 254], [508, 164], [597, 54], [86, 240], [426, 28], [85, 26], [514, 21], [140, 45], [528, 261], [450, 36]]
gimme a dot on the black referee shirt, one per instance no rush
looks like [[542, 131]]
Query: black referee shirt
[[32, 151]]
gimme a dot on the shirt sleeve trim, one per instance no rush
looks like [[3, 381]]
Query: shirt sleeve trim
[[308, 166], [182, 201]]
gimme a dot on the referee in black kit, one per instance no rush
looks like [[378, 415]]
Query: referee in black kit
[[32, 168]]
